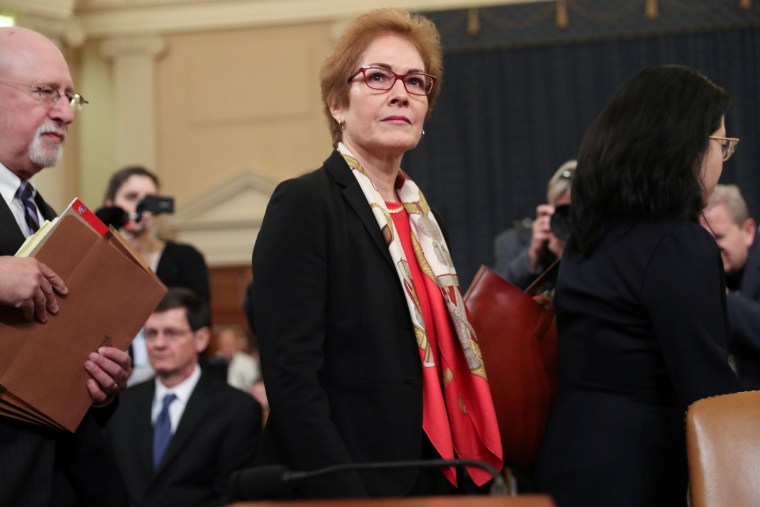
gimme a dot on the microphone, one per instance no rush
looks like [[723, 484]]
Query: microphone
[[112, 215], [271, 481]]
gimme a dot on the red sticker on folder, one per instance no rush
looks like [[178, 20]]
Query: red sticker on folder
[[89, 217]]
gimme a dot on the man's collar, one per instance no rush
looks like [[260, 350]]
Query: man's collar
[[9, 183], [184, 389]]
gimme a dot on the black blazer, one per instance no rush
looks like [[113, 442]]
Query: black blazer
[[218, 434], [642, 334], [41, 467], [339, 355]]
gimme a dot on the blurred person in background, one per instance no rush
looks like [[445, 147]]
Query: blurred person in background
[[178, 438], [175, 264], [523, 252], [242, 366], [727, 218]]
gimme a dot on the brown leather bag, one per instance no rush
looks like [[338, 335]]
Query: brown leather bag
[[518, 340]]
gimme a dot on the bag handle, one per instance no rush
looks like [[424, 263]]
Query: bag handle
[[530, 291]]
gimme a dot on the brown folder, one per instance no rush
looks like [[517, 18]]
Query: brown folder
[[111, 294]]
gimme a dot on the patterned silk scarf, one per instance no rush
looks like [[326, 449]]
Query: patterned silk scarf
[[457, 410]]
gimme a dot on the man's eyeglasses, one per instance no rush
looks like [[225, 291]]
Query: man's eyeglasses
[[49, 95], [727, 145], [377, 78], [171, 333]]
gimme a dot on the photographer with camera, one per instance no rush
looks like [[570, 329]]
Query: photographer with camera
[[522, 254], [131, 204]]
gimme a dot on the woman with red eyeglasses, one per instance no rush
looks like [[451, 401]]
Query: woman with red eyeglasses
[[366, 349]]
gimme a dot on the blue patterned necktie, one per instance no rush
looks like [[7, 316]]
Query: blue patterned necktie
[[26, 194], [162, 430]]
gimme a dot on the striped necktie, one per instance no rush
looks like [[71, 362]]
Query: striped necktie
[[25, 193]]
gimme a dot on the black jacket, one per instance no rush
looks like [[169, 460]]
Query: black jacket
[[338, 351], [41, 467]]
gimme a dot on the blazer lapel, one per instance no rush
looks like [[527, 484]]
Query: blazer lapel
[[144, 428], [11, 236], [341, 173], [47, 212]]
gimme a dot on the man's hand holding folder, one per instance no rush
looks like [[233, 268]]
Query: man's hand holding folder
[[31, 286], [110, 294]]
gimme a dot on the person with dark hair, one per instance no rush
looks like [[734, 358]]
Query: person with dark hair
[[727, 218], [640, 296], [366, 348], [177, 438], [175, 264]]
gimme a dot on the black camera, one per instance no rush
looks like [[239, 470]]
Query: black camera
[[118, 218], [156, 204], [560, 222]]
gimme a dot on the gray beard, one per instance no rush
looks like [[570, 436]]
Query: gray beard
[[43, 156]]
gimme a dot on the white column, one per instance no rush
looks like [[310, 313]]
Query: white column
[[134, 97]]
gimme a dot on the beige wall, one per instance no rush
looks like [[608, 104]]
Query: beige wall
[[225, 102], [96, 124], [203, 109], [197, 91], [239, 100]]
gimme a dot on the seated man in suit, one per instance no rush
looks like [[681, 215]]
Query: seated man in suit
[[178, 437], [727, 218]]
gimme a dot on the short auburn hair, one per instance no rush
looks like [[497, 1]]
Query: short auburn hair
[[355, 39]]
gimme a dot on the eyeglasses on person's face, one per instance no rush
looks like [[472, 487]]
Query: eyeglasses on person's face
[[172, 334], [377, 78], [727, 145], [50, 95]]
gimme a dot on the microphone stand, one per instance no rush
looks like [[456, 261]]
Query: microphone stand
[[498, 486]]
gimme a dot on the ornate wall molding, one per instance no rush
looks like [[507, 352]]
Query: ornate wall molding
[[223, 223], [101, 18]]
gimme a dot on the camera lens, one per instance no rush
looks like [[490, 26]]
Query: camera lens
[[560, 222]]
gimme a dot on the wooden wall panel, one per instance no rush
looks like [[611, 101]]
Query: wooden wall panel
[[228, 284]]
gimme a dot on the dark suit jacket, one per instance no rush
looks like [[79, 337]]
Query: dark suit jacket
[[744, 320], [642, 334], [11, 236], [218, 434], [40, 467], [339, 355]]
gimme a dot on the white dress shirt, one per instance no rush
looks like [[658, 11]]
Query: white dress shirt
[[182, 390]]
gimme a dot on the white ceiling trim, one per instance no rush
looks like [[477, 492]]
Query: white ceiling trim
[[58, 9], [112, 18]]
